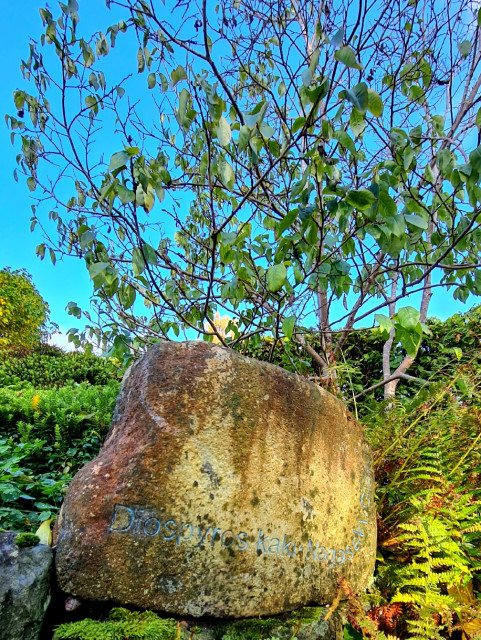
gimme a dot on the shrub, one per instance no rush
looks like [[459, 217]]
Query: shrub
[[50, 430], [45, 366]]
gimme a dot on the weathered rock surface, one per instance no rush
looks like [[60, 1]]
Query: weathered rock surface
[[24, 588], [226, 487]]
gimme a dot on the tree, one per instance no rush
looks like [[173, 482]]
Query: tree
[[301, 167], [23, 311]]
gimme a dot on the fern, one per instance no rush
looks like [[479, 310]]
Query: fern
[[428, 469]]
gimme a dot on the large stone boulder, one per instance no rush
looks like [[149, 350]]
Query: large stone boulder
[[226, 487], [24, 588]]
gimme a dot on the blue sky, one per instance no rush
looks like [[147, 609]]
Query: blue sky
[[68, 279]]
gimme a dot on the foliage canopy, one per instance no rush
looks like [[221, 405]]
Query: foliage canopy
[[298, 166]]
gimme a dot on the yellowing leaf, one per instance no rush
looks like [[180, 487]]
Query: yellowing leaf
[[44, 532]]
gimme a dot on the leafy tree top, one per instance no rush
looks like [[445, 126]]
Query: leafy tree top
[[294, 159], [23, 311]]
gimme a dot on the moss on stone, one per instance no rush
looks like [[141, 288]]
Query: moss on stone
[[263, 629], [123, 624], [120, 625], [25, 540]]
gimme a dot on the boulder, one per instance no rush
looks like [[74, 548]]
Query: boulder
[[24, 588], [226, 487]]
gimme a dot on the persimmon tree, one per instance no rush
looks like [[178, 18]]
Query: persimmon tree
[[299, 166], [23, 311]]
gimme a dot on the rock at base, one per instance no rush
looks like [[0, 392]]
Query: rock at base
[[226, 487], [24, 588]]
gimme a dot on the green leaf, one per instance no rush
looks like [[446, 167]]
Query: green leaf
[[286, 222], [475, 159], [438, 124], [40, 251], [347, 56], [118, 160], [163, 82], [416, 221], [358, 96], [396, 225], [288, 326], [266, 131], [408, 317], [478, 119], [337, 38], [151, 80], [357, 122], [387, 206], [410, 340], [374, 103], [140, 60], [125, 195], [428, 173], [385, 323], [97, 269], [345, 140], [224, 134], [465, 48], [138, 263], [226, 173], [145, 199], [408, 156], [446, 161], [244, 137], [31, 184], [88, 54], [149, 253], [177, 75], [86, 238], [298, 124], [126, 295], [306, 77], [184, 115], [361, 199], [276, 277]]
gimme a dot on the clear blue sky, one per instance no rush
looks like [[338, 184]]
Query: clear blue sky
[[68, 279]]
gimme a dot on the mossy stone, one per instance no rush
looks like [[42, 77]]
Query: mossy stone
[[224, 488]]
